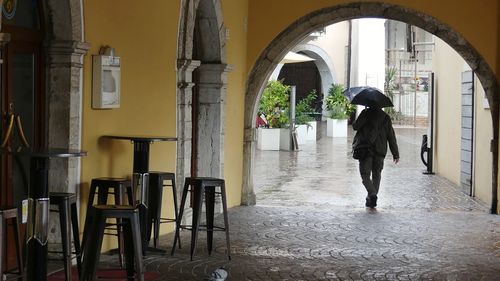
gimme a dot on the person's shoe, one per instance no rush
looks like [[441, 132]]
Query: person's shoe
[[368, 202], [373, 201]]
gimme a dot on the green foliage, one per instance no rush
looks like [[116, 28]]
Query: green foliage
[[274, 104], [393, 114], [338, 105], [304, 107], [389, 87], [390, 81], [336, 112]]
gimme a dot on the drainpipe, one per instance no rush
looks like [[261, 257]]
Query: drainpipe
[[494, 151], [349, 42]]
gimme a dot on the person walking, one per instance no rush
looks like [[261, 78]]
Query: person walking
[[374, 132]]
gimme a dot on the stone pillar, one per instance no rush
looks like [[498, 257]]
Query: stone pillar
[[64, 110], [249, 140], [211, 119], [185, 85]]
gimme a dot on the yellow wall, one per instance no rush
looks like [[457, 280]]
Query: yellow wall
[[268, 18], [448, 67], [143, 37], [235, 19]]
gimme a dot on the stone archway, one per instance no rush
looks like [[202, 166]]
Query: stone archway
[[65, 48], [323, 63], [209, 60], [298, 30]]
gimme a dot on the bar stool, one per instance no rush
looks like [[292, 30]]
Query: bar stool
[[68, 217], [10, 213], [132, 235], [104, 187], [198, 186], [156, 185]]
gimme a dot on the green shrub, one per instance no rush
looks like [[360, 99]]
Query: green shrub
[[338, 105], [304, 107], [274, 104]]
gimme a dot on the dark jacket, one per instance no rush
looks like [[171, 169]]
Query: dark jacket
[[374, 125]]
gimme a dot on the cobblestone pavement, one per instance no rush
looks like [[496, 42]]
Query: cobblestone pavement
[[310, 224]]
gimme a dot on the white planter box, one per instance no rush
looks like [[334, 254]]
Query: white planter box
[[336, 128], [268, 139], [285, 139], [301, 132], [312, 131]]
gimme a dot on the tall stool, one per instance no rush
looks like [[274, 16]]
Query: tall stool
[[132, 235], [10, 213], [102, 187], [198, 186], [68, 217], [156, 185]]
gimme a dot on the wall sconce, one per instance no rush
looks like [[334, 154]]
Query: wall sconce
[[105, 79]]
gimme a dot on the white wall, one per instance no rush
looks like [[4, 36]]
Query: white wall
[[368, 53], [334, 42]]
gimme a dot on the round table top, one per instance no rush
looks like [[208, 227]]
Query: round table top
[[44, 152], [140, 138]]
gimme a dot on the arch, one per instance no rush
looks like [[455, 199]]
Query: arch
[[323, 63], [209, 60], [298, 30]]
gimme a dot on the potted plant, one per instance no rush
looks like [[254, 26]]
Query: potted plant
[[274, 106], [305, 123], [339, 111]]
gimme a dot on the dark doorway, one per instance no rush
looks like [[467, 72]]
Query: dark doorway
[[305, 76], [22, 94]]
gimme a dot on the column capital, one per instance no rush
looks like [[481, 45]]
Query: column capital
[[67, 53], [214, 75], [67, 47], [185, 70]]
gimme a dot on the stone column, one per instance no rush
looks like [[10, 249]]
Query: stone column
[[64, 109], [247, 193], [211, 119], [185, 85]]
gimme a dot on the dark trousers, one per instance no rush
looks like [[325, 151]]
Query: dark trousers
[[370, 169]]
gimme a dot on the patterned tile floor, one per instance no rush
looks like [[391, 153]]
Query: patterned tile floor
[[310, 224]]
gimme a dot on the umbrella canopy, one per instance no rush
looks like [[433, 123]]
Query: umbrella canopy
[[292, 57], [368, 96]]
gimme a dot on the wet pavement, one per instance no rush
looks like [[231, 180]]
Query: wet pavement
[[310, 223]]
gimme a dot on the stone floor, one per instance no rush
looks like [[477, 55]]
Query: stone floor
[[310, 223]]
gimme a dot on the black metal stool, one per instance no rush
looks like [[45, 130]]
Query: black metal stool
[[156, 185], [132, 235], [199, 186], [104, 187], [68, 217], [10, 213]]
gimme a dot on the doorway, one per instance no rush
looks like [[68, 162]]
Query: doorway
[[22, 94]]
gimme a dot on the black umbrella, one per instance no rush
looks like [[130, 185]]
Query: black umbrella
[[368, 96]]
